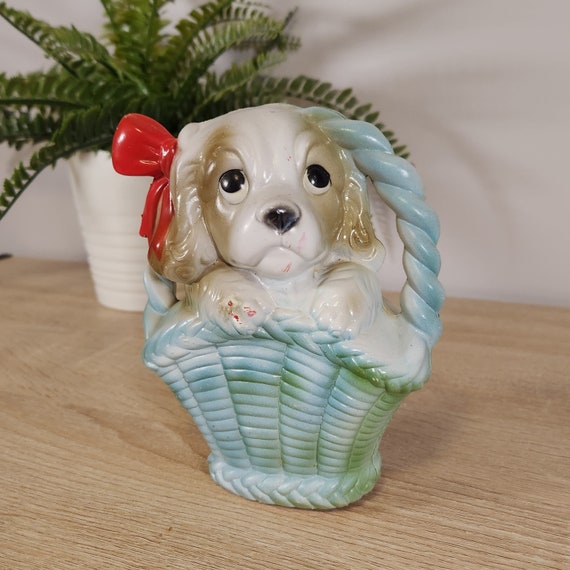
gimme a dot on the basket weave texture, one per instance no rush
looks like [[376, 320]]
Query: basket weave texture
[[293, 415]]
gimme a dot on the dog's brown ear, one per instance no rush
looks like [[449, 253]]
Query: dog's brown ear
[[356, 238], [189, 249]]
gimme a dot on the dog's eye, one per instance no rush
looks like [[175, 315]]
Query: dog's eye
[[318, 178], [233, 185], [232, 181]]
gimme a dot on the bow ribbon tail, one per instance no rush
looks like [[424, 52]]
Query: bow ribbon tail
[[154, 229]]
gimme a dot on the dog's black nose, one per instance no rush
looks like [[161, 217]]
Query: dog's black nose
[[281, 218]]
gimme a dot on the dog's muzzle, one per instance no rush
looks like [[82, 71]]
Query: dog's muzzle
[[281, 218]]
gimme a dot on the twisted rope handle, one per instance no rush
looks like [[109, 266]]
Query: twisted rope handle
[[400, 187]]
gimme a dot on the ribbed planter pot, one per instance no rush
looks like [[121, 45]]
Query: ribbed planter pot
[[109, 207]]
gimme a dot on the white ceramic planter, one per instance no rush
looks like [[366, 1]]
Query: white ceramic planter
[[109, 207]]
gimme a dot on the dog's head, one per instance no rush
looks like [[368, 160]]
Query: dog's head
[[264, 189]]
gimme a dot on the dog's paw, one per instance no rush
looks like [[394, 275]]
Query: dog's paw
[[241, 316], [347, 301], [232, 301], [342, 316]]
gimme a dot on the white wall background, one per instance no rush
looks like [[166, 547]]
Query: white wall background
[[479, 91]]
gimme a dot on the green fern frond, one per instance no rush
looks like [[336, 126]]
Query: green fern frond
[[274, 34], [135, 30], [247, 11], [69, 47], [188, 29], [25, 174], [313, 91], [208, 47], [216, 29], [219, 93], [18, 129], [44, 89], [95, 123], [283, 41]]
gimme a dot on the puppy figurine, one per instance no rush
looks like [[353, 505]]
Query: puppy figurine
[[263, 216]]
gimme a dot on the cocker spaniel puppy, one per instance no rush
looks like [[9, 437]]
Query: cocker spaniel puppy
[[265, 210], [260, 220], [269, 211]]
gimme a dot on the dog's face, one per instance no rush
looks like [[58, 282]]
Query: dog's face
[[263, 189], [272, 192]]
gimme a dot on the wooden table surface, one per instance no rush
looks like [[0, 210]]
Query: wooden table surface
[[101, 468]]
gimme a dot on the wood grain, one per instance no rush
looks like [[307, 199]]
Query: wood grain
[[101, 468]]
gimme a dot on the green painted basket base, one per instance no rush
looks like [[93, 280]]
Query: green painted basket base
[[300, 491]]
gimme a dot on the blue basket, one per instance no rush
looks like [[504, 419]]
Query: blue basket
[[293, 415]]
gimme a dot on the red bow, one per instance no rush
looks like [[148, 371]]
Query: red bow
[[143, 147]]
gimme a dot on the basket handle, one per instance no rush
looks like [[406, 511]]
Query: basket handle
[[399, 186]]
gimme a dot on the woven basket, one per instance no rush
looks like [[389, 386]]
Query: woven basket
[[293, 416]]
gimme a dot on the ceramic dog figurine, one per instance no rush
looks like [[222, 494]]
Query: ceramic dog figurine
[[281, 346]]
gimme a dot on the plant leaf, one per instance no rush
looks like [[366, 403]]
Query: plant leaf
[[69, 47], [135, 30], [215, 31]]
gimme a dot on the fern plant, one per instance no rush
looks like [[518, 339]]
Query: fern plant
[[143, 64]]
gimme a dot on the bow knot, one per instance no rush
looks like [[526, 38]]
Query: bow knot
[[143, 147]]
